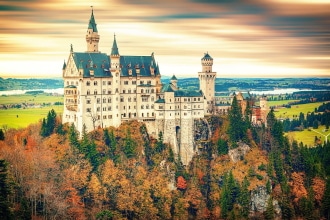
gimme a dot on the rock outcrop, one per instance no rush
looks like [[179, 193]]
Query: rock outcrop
[[239, 152]]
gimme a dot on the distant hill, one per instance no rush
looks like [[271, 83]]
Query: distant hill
[[23, 84]]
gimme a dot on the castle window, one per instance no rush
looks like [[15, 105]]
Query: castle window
[[194, 99], [67, 83], [109, 92], [144, 99], [109, 83], [117, 108], [109, 108], [149, 82], [109, 116], [104, 117], [142, 106], [104, 83], [104, 108], [134, 82], [152, 90], [129, 99], [147, 106], [72, 82], [95, 92], [88, 110], [98, 117], [199, 99], [185, 107], [125, 82], [122, 99], [124, 107], [134, 91], [152, 114], [141, 90], [117, 90], [88, 101], [95, 83], [152, 98], [88, 92], [109, 100], [141, 82], [104, 100], [124, 91], [98, 101], [129, 91], [88, 83]]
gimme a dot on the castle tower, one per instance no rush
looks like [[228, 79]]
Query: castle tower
[[174, 81], [207, 79], [92, 37], [115, 72]]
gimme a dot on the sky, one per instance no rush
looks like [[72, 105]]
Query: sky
[[251, 38]]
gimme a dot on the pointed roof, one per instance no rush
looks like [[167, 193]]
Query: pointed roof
[[173, 77], [92, 24], [114, 50], [207, 56], [64, 65]]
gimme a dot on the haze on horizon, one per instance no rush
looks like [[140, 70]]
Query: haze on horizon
[[254, 38]]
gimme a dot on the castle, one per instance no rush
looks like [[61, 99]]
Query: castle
[[102, 90]]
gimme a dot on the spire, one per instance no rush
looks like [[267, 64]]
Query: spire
[[114, 50], [64, 65], [92, 24], [71, 48]]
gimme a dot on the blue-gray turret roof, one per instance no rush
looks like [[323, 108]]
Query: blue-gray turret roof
[[167, 88], [207, 56], [114, 50], [174, 78], [92, 24], [64, 65]]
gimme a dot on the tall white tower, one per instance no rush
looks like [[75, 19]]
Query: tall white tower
[[92, 37], [207, 79]]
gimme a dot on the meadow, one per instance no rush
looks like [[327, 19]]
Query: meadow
[[307, 136], [295, 110], [22, 117]]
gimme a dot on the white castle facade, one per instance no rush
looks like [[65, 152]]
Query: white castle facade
[[102, 90]]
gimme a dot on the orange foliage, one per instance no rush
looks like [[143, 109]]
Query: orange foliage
[[181, 183], [297, 186], [318, 188]]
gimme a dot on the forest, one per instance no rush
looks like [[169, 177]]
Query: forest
[[243, 172]]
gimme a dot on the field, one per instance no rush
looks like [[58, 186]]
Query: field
[[308, 136], [281, 102], [36, 99], [296, 109], [20, 118]]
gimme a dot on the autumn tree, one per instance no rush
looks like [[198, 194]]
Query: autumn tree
[[181, 183]]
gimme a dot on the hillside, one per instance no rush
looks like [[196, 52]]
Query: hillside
[[124, 174]]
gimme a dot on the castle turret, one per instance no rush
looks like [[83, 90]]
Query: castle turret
[[207, 80], [115, 72], [92, 37], [174, 81], [63, 68]]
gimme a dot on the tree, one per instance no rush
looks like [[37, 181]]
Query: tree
[[2, 135], [5, 191], [222, 147], [237, 127], [269, 213], [129, 145], [181, 183], [48, 124], [73, 136], [160, 146], [244, 198]]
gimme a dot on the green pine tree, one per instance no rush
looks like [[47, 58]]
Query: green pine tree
[[5, 191]]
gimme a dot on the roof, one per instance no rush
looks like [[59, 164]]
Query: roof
[[64, 65], [207, 56], [187, 93], [92, 24], [100, 63], [160, 101], [167, 88], [174, 78], [71, 87], [143, 63], [114, 50]]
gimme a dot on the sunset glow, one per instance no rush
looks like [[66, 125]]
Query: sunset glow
[[271, 38]]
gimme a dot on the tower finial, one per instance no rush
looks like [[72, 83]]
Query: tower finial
[[71, 48]]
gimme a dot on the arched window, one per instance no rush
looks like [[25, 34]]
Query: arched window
[[88, 92], [142, 106], [95, 92]]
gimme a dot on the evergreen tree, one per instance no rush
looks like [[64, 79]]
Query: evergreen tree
[[5, 191], [160, 146], [237, 127], [326, 200], [222, 147], [48, 124], [73, 137], [2, 135], [129, 145], [244, 198], [269, 213]]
